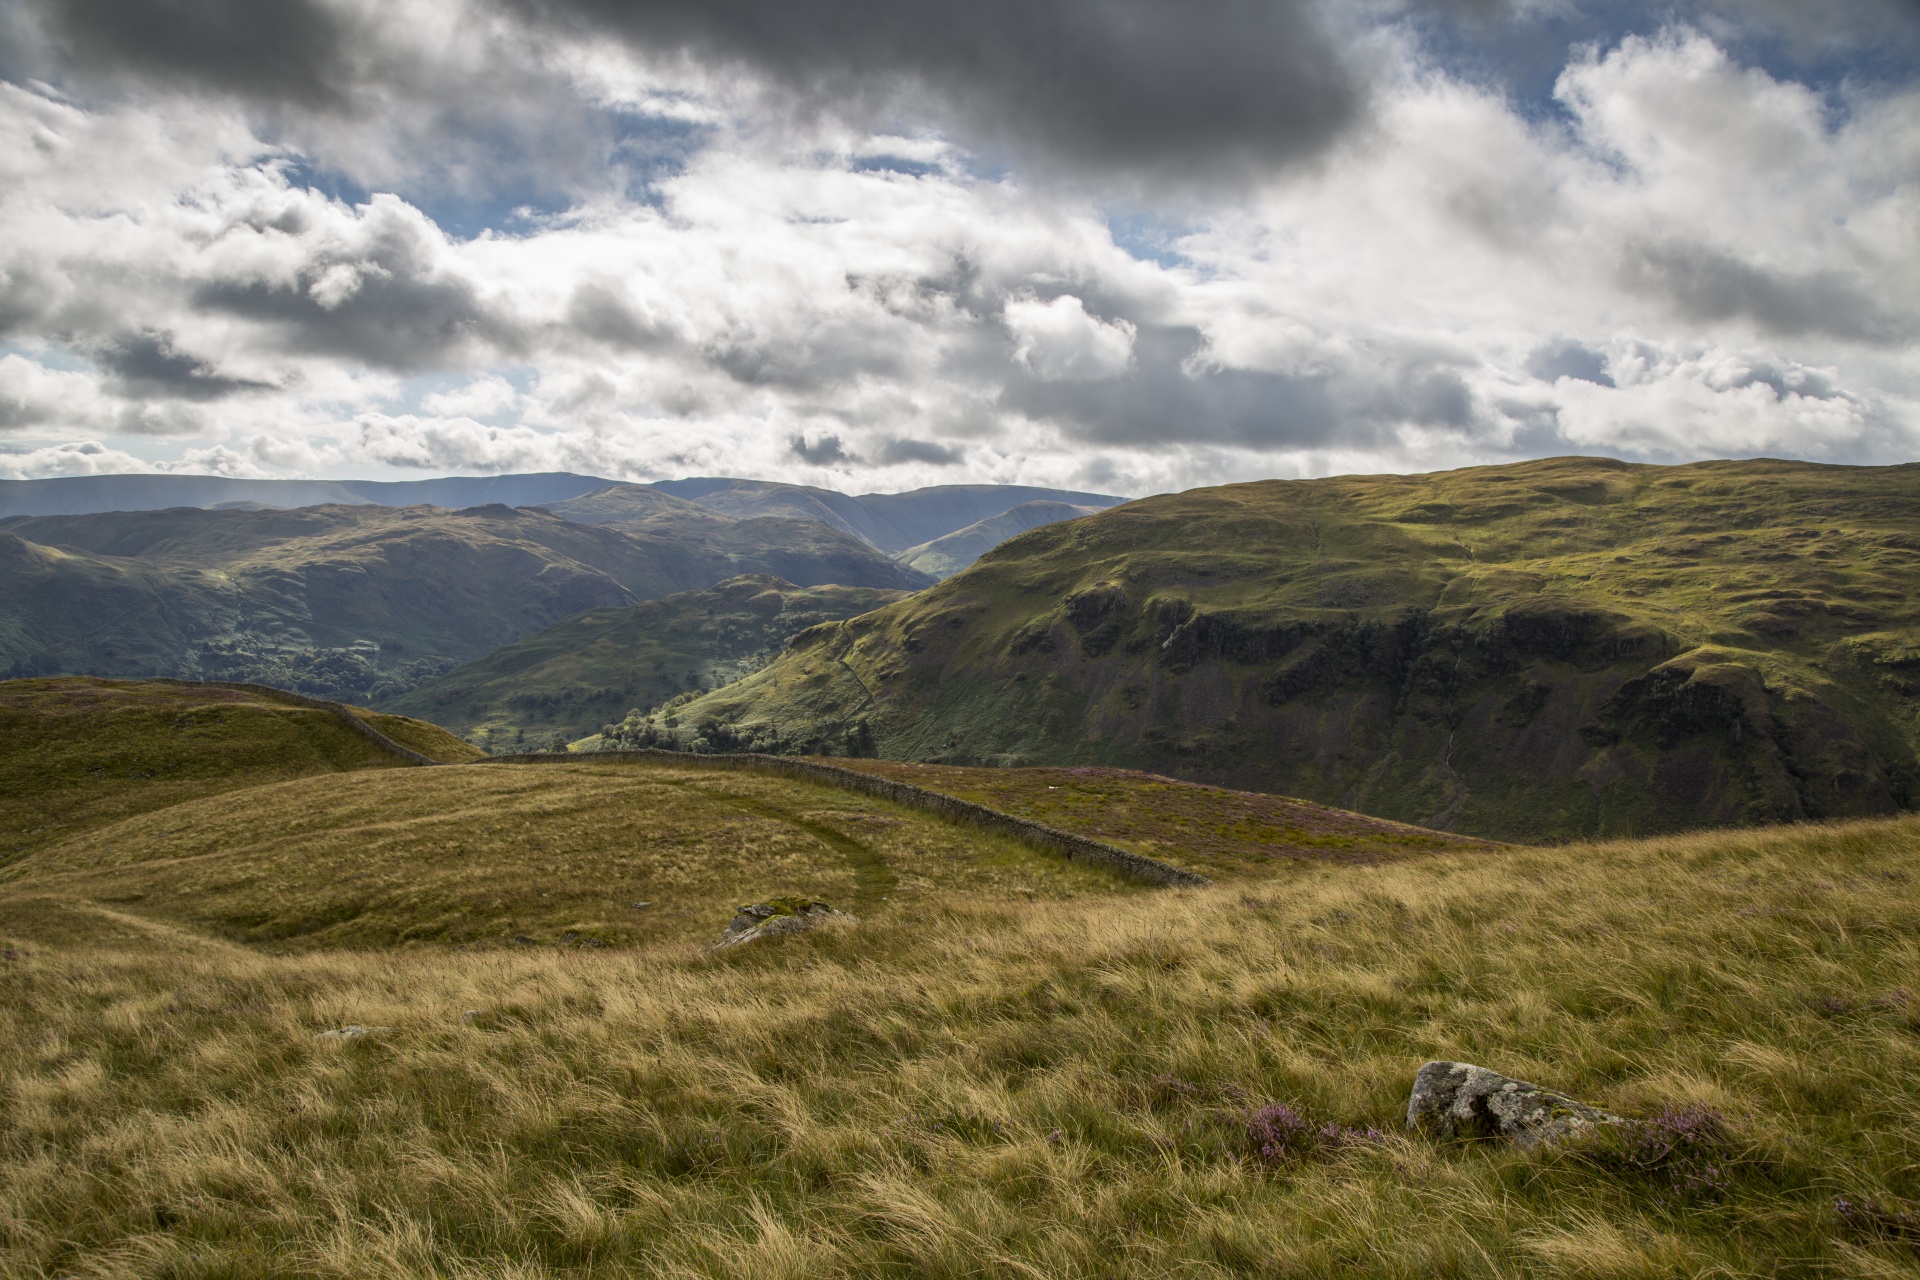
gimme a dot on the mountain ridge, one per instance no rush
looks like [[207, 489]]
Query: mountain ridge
[[350, 601], [1555, 649]]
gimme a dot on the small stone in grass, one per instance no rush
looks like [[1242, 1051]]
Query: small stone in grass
[[353, 1031], [1460, 1100], [778, 917]]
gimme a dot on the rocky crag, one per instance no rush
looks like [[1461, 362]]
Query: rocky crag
[[1554, 649]]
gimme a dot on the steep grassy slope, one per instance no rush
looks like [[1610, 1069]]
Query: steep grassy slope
[[77, 754], [950, 553], [592, 669], [1551, 649], [547, 853], [989, 1087], [344, 601]]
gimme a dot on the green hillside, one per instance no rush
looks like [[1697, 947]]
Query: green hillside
[[592, 669], [79, 753], [1554, 649], [360, 602]]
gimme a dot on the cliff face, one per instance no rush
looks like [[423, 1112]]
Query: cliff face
[[1554, 649]]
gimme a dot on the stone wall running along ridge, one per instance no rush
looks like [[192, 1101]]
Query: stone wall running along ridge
[[1038, 835]]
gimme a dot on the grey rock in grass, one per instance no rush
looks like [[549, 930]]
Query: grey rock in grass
[[778, 918], [1460, 1100], [352, 1032]]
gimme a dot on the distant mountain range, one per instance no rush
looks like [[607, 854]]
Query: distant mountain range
[[332, 587], [86, 495], [890, 521]]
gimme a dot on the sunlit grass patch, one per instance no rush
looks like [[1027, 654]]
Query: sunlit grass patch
[[1066, 1085], [557, 854]]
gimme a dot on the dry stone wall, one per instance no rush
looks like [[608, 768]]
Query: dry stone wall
[[1034, 834]]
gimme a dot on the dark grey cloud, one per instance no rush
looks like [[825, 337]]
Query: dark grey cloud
[[895, 452], [385, 303], [297, 51], [1195, 87], [1198, 87], [1157, 401], [598, 313], [1566, 358], [402, 324], [1703, 283], [821, 451], [1164, 398], [16, 413], [1812, 384], [28, 292], [147, 365]]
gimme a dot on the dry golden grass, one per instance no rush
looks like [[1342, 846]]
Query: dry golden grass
[[1215, 830], [989, 1085], [482, 856], [78, 752]]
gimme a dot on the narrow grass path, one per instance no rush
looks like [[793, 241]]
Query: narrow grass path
[[873, 879]]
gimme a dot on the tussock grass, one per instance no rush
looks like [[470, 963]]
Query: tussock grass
[[78, 753], [1216, 830], [536, 854], [991, 1086]]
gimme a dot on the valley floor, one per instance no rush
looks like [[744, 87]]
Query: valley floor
[[1013, 1081]]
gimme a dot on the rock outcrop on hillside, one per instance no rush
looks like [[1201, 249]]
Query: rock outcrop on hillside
[[1556, 649]]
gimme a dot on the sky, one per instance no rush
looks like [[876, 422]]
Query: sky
[[1129, 246]]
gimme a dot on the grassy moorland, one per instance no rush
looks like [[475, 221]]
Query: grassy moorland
[[1010, 1066], [541, 854], [78, 753], [1213, 830], [989, 1085], [1570, 648]]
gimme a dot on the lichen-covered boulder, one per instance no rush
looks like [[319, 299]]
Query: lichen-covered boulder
[[1460, 1100], [778, 916]]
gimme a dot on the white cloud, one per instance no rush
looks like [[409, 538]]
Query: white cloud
[[79, 458], [1058, 341], [34, 398], [1741, 260], [482, 398]]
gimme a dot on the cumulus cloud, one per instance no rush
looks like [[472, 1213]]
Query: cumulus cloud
[[1058, 341], [79, 458], [34, 397], [1677, 254]]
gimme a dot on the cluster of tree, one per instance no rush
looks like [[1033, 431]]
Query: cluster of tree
[[664, 731], [360, 675], [500, 742]]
